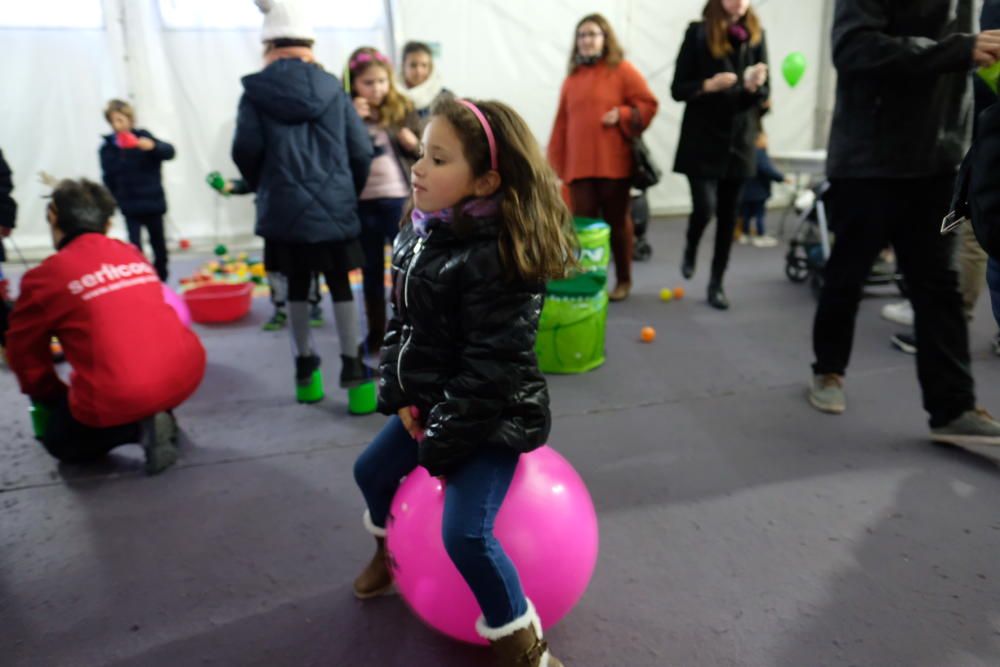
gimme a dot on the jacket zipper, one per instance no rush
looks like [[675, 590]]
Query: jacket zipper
[[406, 304]]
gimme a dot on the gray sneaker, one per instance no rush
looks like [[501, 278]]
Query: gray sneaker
[[826, 393], [159, 438], [974, 430]]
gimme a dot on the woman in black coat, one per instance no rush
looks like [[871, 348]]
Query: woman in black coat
[[721, 74]]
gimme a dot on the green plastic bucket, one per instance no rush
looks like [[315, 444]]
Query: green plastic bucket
[[595, 253], [363, 399], [39, 419], [571, 333], [571, 327]]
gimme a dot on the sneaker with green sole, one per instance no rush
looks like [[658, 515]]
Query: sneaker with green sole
[[277, 321], [826, 393], [316, 316]]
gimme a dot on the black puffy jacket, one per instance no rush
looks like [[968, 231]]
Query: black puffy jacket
[[302, 148], [461, 346], [134, 176], [904, 105]]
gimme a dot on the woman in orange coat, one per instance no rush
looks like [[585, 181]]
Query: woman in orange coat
[[589, 147]]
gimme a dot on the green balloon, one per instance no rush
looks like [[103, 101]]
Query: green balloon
[[794, 67]]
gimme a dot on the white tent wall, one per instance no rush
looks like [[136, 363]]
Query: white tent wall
[[185, 87], [517, 51]]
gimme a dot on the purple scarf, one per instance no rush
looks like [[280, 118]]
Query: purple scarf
[[739, 33], [483, 207]]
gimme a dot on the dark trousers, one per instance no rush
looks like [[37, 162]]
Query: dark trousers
[[157, 239], [72, 442], [754, 216], [720, 199], [472, 498], [870, 214], [379, 225], [609, 200]]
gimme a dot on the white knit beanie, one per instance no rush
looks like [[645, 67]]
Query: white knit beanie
[[285, 19]]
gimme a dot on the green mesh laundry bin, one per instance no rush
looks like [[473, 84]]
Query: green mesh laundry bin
[[571, 327]]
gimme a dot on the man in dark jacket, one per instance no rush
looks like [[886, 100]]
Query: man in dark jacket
[[900, 128], [8, 214], [131, 162]]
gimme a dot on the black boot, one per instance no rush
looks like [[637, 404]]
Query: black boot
[[354, 372], [717, 296], [308, 379], [687, 267], [304, 368]]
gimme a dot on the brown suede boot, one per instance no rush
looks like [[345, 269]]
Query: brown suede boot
[[375, 579], [519, 643]]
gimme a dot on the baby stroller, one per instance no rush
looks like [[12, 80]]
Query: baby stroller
[[809, 247], [641, 251]]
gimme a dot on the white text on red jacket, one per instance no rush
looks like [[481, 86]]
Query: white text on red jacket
[[111, 278]]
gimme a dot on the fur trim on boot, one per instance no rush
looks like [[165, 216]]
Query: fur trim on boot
[[519, 643], [371, 527]]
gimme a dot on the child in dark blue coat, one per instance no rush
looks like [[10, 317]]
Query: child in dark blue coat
[[757, 191], [301, 147], [130, 166]]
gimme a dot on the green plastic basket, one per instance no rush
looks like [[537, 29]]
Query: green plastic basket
[[571, 327], [595, 250], [571, 333]]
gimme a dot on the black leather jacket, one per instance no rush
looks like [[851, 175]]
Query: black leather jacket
[[903, 88], [461, 346]]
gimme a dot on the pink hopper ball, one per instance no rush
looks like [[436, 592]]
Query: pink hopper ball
[[177, 303], [547, 525]]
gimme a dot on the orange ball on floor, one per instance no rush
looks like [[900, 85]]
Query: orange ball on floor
[[648, 334], [678, 292]]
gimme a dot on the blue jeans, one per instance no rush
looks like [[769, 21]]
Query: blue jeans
[[993, 281], [753, 212], [472, 498], [379, 225]]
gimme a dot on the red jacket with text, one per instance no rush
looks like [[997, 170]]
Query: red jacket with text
[[131, 356]]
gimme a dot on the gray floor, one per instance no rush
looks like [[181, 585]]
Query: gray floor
[[738, 526]]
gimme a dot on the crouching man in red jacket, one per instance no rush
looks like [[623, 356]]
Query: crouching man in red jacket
[[132, 360]]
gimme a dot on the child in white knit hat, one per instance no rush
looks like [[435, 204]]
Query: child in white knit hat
[[304, 151]]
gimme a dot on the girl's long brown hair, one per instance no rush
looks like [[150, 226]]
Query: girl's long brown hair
[[717, 28], [537, 240], [395, 106], [613, 52]]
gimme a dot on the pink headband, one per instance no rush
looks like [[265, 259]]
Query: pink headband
[[494, 164], [362, 58]]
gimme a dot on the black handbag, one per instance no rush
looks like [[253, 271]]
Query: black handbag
[[645, 173]]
